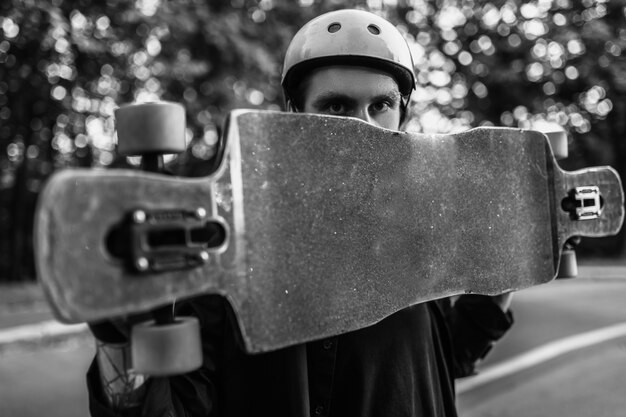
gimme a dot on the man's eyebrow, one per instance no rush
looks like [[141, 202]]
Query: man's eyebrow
[[391, 94], [392, 97], [328, 96]]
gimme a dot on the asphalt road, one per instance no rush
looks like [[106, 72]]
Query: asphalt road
[[48, 379], [575, 372], [37, 381]]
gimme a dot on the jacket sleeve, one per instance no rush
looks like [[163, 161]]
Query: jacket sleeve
[[187, 395], [476, 323]]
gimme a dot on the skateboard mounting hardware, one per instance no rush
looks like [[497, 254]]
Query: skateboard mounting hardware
[[165, 240], [173, 239], [584, 203]]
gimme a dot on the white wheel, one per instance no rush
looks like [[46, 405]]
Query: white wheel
[[166, 349], [150, 128], [568, 267], [558, 143]]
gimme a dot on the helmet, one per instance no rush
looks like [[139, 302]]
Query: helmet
[[349, 37]]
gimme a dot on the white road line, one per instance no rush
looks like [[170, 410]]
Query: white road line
[[534, 357], [540, 355], [38, 331]]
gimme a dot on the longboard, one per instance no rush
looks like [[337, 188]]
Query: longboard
[[313, 226]]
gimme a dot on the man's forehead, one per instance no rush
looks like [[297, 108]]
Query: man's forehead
[[352, 80]]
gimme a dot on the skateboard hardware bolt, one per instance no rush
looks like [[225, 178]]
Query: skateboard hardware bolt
[[584, 203], [139, 216], [142, 264], [200, 213], [588, 202]]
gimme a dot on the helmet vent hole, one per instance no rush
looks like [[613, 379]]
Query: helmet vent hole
[[334, 27], [374, 30]]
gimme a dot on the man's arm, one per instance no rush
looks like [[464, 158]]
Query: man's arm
[[122, 387], [476, 322], [116, 391], [503, 301]]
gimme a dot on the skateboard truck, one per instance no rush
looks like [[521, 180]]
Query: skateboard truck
[[162, 240], [584, 203], [576, 203], [149, 241], [175, 239]]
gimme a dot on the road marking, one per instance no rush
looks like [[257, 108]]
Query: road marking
[[38, 331], [540, 355]]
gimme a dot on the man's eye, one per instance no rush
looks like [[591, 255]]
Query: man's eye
[[335, 108], [381, 106]]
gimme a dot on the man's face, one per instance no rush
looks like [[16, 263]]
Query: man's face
[[364, 93]]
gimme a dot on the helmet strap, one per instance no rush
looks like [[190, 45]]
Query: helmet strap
[[290, 106]]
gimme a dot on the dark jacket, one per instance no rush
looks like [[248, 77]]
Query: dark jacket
[[404, 365]]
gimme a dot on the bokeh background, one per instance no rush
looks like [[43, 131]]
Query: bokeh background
[[66, 65]]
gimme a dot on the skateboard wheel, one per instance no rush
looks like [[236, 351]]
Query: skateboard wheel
[[568, 267], [150, 128], [558, 143], [166, 349]]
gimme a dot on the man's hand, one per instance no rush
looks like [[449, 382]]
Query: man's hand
[[503, 300], [110, 332], [117, 330], [121, 386]]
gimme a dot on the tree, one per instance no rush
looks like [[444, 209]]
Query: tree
[[66, 65], [521, 63]]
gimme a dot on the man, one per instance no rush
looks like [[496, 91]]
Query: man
[[346, 63]]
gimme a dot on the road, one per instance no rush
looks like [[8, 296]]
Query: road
[[48, 380], [577, 376]]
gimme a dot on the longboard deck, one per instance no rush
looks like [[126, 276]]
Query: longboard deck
[[332, 224]]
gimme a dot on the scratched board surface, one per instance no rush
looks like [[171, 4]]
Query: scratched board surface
[[358, 224], [333, 224]]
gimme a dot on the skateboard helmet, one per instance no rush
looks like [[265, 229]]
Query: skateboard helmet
[[348, 37]]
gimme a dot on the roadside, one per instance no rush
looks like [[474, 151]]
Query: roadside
[[42, 369], [22, 303], [27, 322], [25, 315], [562, 356], [580, 383], [42, 362]]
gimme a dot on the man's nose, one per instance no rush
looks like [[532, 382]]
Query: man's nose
[[364, 114]]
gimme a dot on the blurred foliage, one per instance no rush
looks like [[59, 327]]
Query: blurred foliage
[[66, 65]]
